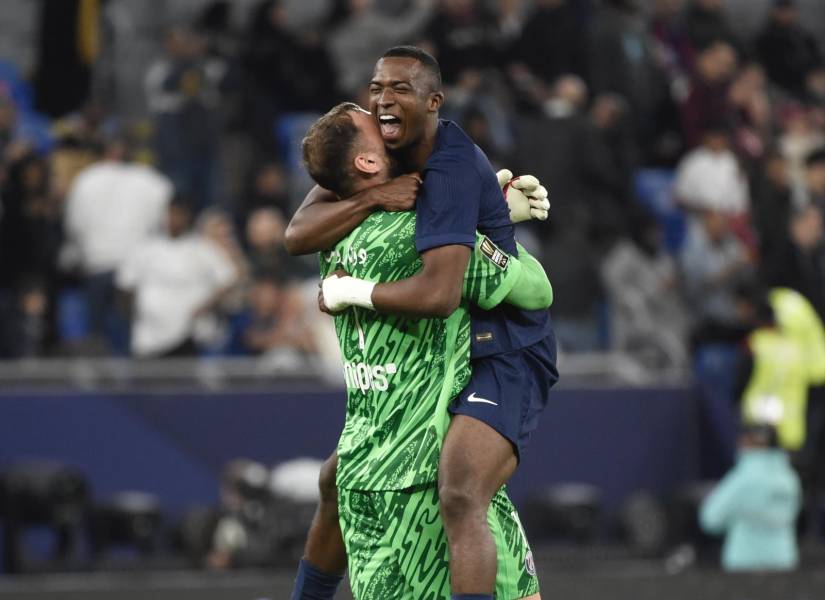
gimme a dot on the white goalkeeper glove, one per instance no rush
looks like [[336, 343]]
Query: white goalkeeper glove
[[341, 292], [525, 196]]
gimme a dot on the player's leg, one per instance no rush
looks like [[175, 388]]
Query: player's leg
[[475, 462], [325, 558], [493, 418], [369, 531], [417, 535], [516, 571]]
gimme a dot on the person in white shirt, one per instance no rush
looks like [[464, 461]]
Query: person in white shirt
[[709, 176], [173, 284], [113, 206]]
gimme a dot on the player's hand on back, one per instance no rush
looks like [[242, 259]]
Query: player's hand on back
[[525, 196], [397, 194]]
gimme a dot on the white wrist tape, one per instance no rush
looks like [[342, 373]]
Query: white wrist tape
[[341, 292]]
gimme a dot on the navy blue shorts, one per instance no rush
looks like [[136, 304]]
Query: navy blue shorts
[[509, 391]]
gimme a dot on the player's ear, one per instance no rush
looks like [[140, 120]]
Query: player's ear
[[367, 162], [435, 102]]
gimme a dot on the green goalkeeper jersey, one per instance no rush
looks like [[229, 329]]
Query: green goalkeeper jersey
[[402, 372]]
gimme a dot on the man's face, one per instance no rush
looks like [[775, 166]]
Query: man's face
[[370, 142], [401, 99]]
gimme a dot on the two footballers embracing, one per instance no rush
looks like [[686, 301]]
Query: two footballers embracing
[[448, 349]]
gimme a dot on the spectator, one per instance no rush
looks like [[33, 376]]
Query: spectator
[[265, 237], [771, 211], [748, 97], [610, 117], [172, 285], [573, 262], [622, 62], [113, 206], [800, 263], [30, 238], [755, 506], [800, 136], [216, 226], [21, 131], [786, 49], [551, 43], [184, 90], [564, 147], [668, 28], [705, 22], [707, 99], [713, 262], [273, 322], [215, 334], [24, 325], [465, 38], [815, 87], [709, 177], [778, 363], [268, 189], [29, 223], [288, 68], [365, 34], [648, 318], [80, 137], [675, 56], [815, 177]]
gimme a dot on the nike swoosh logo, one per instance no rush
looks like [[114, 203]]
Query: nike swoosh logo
[[473, 398]]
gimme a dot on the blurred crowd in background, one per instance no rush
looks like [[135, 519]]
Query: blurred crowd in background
[[683, 158]]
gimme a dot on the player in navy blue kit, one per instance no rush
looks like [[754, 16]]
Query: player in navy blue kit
[[513, 351]]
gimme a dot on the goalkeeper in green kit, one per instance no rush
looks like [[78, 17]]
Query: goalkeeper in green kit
[[401, 373]]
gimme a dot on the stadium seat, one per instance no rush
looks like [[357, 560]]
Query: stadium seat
[[72, 316], [290, 129], [12, 85], [654, 191]]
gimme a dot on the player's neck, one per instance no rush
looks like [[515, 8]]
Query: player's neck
[[364, 183], [420, 153]]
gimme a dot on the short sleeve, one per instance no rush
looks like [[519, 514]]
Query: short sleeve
[[447, 207]]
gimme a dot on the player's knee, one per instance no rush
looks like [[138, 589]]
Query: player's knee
[[326, 480], [459, 502]]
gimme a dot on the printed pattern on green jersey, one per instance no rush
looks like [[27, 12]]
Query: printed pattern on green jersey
[[397, 548], [400, 372]]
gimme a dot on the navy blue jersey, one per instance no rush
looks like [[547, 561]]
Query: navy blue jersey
[[460, 195]]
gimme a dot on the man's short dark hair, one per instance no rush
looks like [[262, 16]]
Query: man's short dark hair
[[328, 147], [422, 56]]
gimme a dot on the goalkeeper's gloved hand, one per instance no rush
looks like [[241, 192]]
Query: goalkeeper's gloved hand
[[339, 292], [525, 196]]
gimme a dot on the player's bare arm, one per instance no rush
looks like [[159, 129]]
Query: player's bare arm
[[435, 291], [323, 219]]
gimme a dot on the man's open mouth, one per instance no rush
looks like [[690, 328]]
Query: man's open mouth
[[390, 126]]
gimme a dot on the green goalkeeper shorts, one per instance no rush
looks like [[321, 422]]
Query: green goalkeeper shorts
[[397, 548]]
